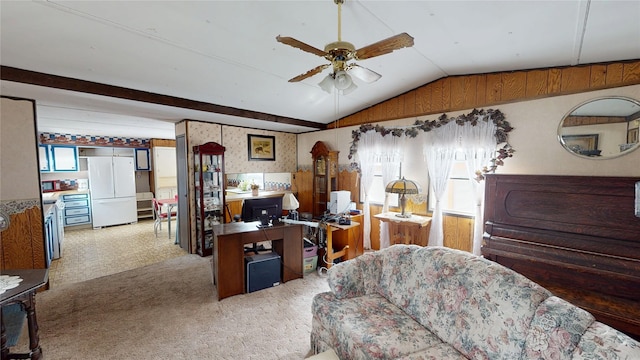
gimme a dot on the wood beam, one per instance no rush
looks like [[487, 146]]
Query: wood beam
[[66, 83]]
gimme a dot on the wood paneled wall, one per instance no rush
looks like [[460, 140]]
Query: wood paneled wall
[[456, 93], [302, 187], [22, 243]]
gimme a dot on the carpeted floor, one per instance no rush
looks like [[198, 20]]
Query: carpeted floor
[[169, 310]]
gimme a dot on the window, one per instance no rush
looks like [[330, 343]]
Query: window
[[377, 189], [459, 196]]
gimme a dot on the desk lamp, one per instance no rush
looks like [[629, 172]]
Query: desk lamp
[[290, 203], [403, 187]]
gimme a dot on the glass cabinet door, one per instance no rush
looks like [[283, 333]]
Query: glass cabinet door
[[209, 191], [325, 176]]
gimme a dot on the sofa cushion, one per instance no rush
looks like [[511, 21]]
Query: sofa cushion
[[357, 277], [556, 329], [603, 342], [479, 307], [370, 327], [437, 352]]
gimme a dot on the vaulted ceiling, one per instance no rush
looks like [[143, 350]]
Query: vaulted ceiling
[[134, 68]]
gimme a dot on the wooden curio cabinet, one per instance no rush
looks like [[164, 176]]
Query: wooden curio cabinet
[[325, 176], [209, 193]]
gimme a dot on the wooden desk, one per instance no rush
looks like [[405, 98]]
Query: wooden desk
[[25, 294], [347, 238], [411, 230], [229, 271]]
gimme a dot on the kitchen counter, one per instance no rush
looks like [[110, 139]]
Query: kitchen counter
[[233, 196], [52, 197], [48, 210]]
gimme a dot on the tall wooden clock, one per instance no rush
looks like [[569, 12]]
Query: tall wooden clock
[[325, 176]]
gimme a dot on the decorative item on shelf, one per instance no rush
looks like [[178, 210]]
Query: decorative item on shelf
[[403, 187], [291, 204], [254, 189]]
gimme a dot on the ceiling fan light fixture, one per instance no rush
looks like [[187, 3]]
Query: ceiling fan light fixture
[[327, 84], [350, 89], [342, 80]]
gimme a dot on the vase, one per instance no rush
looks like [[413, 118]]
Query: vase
[[254, 192]]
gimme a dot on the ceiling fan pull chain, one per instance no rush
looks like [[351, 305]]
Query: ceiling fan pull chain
[[339, 2]]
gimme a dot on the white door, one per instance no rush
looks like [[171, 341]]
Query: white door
[[165, 161], [124, 181], [100, 177]]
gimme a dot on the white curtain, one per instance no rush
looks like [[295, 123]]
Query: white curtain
[[367, 160], [375, 149], [478, 143], [439, 148], [390, 158]]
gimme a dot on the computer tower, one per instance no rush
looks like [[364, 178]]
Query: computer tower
[[339, 201], [263, 271]]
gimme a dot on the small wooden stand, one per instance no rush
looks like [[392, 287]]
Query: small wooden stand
[[411, 230]]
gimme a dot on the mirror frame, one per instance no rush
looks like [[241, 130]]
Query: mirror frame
[[564, 145]]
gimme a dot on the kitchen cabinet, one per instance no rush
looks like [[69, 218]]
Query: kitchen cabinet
[[77, 209], [49, 235], [65, 158], [143, 162], [209, 193], [164, 164], [325, 176], [166, 192], [164, 172], [44, 158]]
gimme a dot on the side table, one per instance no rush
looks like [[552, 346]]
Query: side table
[[25, 294], [411, 230]]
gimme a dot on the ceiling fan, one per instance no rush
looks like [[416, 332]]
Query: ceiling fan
[[339, 53]]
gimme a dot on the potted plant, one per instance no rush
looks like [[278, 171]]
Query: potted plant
[[254, 189]]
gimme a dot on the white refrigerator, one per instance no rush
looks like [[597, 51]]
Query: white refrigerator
[[112, 186]]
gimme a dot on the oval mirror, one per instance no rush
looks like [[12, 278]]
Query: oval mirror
[[601, 128]]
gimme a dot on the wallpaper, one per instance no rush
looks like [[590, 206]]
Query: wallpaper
[[236, 157]]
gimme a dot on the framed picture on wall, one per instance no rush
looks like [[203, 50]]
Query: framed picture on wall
[[582, 144], [261, 147]]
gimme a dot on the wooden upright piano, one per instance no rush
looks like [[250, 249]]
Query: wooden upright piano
[[577, 236]]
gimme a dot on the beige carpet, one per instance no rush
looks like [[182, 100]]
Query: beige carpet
[[169, 310]]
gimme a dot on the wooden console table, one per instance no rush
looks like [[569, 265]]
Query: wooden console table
[[229, 271], [411, 230], [25, 295]]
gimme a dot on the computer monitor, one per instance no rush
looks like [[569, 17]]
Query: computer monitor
[[253, 209]]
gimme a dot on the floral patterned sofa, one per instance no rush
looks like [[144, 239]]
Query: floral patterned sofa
[[410, 302]]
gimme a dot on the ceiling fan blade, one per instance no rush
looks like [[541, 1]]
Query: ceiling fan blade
[[310, 73], [385, 46], [300, 45], [362, 73]]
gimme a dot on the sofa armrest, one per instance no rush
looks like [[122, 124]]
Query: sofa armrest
[[356, 277], [601, 341]]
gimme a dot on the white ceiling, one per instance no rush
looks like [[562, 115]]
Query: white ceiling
[[225, 53]]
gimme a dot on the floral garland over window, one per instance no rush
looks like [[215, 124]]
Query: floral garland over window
[[502, 130]]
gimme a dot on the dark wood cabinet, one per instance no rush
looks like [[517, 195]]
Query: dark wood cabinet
[[209, 193], [325, 176]]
